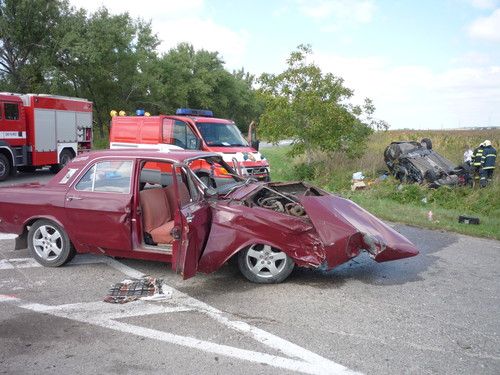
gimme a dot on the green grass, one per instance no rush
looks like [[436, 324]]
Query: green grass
[[408, 204]]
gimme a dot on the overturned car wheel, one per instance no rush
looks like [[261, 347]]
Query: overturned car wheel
[[264, 264]]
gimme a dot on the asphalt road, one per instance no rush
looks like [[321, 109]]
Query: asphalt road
[[435, 313]]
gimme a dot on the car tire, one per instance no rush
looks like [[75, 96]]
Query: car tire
[[263, 264], [427, 143], [49, 244], [4, 167], [64, 158], [401, 173], [430, 175]]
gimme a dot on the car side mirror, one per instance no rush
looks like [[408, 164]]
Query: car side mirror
[[255, 144]]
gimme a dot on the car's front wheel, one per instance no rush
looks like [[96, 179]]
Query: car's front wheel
[[264, 264], [49, 244]]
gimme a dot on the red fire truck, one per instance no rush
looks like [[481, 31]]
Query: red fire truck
[[39, 130], [192, 129]]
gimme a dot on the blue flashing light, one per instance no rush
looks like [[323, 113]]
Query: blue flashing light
[[139, 112], [194, 112]]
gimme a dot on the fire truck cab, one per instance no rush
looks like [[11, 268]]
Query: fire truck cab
[[191, 129], [42, 130]]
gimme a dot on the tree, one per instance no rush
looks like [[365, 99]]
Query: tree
[[313, 109], [107, 59], [198, 79], [27, 41]]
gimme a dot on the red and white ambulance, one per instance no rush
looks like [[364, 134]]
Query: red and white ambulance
[[42, 130], [191, 129]]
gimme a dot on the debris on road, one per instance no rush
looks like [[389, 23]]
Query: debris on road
[[146, 288]]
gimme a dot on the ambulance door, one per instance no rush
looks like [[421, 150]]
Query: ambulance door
[[178, 133]]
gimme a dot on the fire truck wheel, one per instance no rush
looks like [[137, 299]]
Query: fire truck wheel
[[26, 169], [64, 158], [4, 167]]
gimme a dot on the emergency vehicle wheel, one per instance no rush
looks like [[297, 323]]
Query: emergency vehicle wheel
[[4, 167], [64, 158]]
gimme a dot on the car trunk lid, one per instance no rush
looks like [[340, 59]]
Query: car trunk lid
[[346, 229]]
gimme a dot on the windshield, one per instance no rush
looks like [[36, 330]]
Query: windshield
[[220, 134]]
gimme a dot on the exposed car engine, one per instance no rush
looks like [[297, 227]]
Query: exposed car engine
[[283, 197]]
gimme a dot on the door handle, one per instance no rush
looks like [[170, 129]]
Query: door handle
[[189, 217], [73, 198]]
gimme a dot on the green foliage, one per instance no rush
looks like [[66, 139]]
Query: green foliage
[[312, 108], [112, 60], [404, 203], [197, 79], [27, 42]]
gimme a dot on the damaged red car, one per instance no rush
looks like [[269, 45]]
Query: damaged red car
[[150, 205]]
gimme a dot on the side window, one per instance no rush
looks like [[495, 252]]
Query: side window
[[11, 111], [1, 105], [107, 177], [167, 130], [184, 136]]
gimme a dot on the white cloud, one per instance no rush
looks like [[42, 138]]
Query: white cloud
[[361, 11], [484, 4], [415, 96], [487, 28], [177, 21]]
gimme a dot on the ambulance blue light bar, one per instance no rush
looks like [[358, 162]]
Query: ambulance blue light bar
[[194, 112]]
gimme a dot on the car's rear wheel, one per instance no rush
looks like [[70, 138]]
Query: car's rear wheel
[[49, 244], [264, 264]]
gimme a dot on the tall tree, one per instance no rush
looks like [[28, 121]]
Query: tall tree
[[312, 108], [27, 41], [198, 79], [105, 58]]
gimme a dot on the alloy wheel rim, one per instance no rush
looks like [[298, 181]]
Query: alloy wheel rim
[[265, 261], [47, 242]]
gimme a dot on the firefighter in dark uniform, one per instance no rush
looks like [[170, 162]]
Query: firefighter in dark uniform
[[489, 158], [477, 160]]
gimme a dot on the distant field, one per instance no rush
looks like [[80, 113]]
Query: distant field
[[404, 204]]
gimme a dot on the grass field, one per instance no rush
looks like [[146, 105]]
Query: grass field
[[407, 204]]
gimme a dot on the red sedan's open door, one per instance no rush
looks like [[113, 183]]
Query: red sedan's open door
[[192, 226]]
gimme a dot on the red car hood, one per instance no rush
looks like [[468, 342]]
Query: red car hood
[[345, 229]]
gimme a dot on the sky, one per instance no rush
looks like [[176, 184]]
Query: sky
[[427, 64]]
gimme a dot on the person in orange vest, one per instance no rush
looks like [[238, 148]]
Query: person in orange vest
[[488, 160]]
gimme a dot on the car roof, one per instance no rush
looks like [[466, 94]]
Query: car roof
[[134, 153]]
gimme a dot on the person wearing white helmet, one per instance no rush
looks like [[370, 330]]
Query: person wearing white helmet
[[488, 160]]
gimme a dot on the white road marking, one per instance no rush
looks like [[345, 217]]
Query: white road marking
[[104, 315], [7, 236]]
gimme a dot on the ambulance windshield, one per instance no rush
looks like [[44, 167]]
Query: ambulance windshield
[[221, 134]]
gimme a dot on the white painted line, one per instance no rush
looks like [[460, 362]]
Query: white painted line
[[24, 263], [257, 334], [7, 236], [5, 265], [7, 298], [105, 315]]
